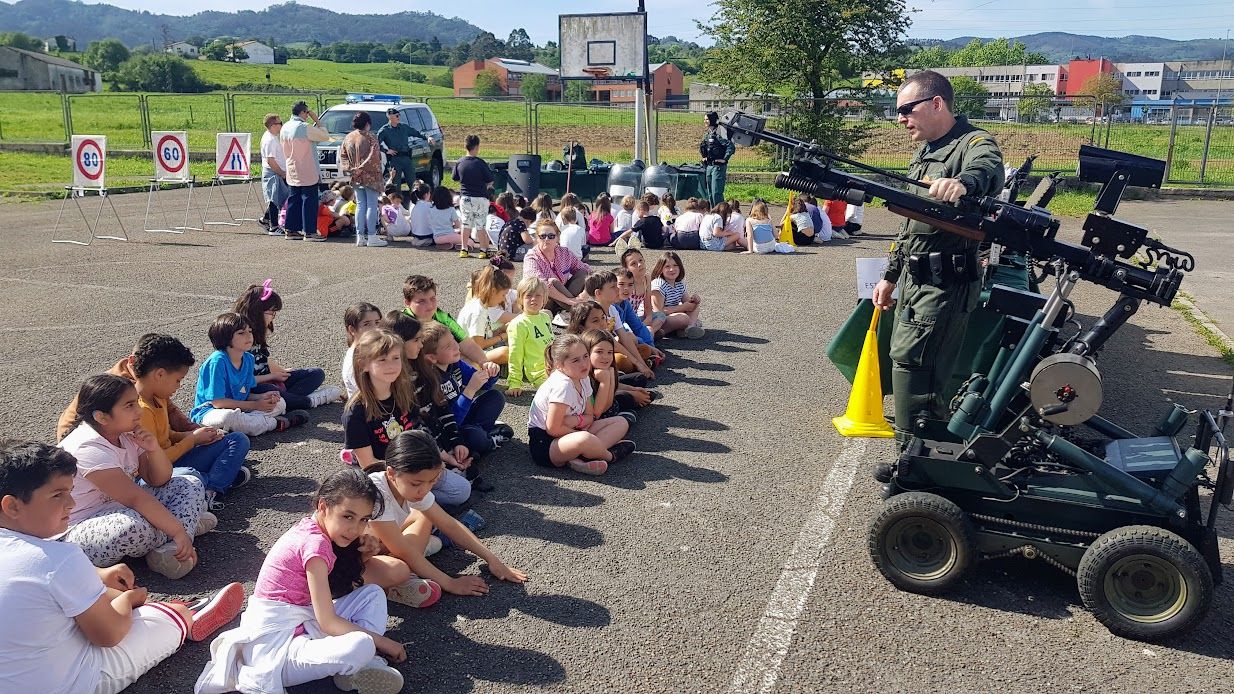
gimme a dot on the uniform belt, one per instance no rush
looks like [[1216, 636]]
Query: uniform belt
[[939, 269]]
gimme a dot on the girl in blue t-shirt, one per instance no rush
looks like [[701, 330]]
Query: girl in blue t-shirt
[[669, 296], [225, 383]]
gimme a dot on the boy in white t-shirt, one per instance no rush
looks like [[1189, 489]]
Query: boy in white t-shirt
[[69, 627], [573, 235]]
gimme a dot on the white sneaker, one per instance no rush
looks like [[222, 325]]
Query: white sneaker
[[377, 242], [324, 395], [561, 320], [433, 546], [162, 560], [207, 522], [361, 240], [375, 678]]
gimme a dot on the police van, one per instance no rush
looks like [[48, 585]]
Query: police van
[[427, 155]]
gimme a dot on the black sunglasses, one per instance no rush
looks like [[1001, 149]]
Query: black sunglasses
[[908, 108], [546, 237]]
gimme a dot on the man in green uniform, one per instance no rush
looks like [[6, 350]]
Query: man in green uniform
[[937, 272], [715, 150], [395, 140]]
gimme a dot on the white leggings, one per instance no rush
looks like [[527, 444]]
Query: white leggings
[[313, 656], [252, 423], [157, 632]]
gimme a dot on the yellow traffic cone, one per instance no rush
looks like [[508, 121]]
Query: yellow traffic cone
[[864, 416]]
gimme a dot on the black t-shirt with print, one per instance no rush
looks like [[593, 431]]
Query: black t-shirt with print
[[360, 431], [261, 359]]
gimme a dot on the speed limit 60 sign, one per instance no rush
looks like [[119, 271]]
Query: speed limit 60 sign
[[89, 161], [171, 156]]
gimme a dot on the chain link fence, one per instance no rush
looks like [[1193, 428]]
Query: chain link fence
[[1196, 141]]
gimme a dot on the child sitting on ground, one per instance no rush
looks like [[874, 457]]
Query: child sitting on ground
[[357, 320], [69, 626], [668, 209], [329, 223], [405, 526], [669, 296], [562, 428], [113, 516], [346, 203], [606, 401], [624, 218], [760, 235], [633, 321], [736, 225], [394, 218], [179, 421], [421, 227], [484, 316], [515, 239], [313, 613], [217, 459], [633, 261], [225, 383], [420, 301], [443, 222], [543, 205], [573, 236], [631, 357], [385, 405], [301, 388], [477, 405], [530, 333], [713, 232], [600, 224]]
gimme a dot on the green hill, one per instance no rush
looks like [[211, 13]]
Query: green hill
[[325, 76]]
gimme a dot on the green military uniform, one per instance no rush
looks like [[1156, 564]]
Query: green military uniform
[[397, 140], [715, 147], [938, 277]]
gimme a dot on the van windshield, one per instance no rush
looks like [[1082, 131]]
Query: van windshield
[[338, 121]]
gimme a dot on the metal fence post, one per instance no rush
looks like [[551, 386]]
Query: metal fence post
[[143, 106], [66, 118], [1208, 139]]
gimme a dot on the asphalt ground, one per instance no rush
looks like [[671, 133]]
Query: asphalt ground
[[729, 554]]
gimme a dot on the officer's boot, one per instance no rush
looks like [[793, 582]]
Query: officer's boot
[[913, 390]]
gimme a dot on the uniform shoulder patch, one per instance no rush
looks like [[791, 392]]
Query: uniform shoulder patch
[[980, 137]]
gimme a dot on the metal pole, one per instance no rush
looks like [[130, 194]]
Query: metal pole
[[1212, 112]]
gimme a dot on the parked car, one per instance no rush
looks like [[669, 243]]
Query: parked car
[[427, 153]]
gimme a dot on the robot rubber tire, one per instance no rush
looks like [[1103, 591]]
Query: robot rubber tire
[[922, 543], [1145, 583]]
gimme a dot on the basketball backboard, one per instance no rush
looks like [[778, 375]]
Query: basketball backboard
[[603, 46]]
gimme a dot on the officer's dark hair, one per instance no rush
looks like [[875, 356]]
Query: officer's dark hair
[[161, 352], [360, 120], [298, 108], [471, 142], [930, 84], [27, 465], [713, 117]]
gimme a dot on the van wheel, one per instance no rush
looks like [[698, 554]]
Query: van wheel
[[435, 173]]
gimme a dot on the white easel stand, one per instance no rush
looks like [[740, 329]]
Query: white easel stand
[[216, 187], [76, 194], [255, 200], [152, 197]]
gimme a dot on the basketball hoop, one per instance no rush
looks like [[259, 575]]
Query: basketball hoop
[[598, 72]]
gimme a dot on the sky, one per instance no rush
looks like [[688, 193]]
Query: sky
[[940, 19]]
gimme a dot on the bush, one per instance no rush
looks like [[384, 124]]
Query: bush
[[445, 79], [403, 72], [488, 84], [158, 73]]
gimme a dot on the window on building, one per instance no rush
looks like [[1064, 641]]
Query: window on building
[[1134, 74], [1153, 73], [1046, 76], [1015, 78]]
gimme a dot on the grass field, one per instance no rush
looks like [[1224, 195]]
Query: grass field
[[507, 127]]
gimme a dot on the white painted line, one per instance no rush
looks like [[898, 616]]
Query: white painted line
[[760, 665]]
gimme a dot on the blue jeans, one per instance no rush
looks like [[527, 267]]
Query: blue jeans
[[295, 390], [366, 211], [452, 488], [218, 462], [476, 427], [302, 209]]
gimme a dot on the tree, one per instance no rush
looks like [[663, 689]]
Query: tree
[[159, 72], [578, 90], [1035, 101], [105, 56], [535, 87], [445, 79], [548, 55], [17, 39], [929, 57], [485, 46], [196, 40], [996, 52], [760, 46], [970, 97], [379, 54], [236, 54], [1106, 89], [215, 50], [488, 84], [519, 45], [434, 45]]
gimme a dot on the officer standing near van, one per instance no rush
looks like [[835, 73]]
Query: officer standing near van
[[937, 272], [394, 138], [715, 150]]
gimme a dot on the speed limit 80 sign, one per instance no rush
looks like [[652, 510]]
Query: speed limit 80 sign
[[89, 161], [171, 156]]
